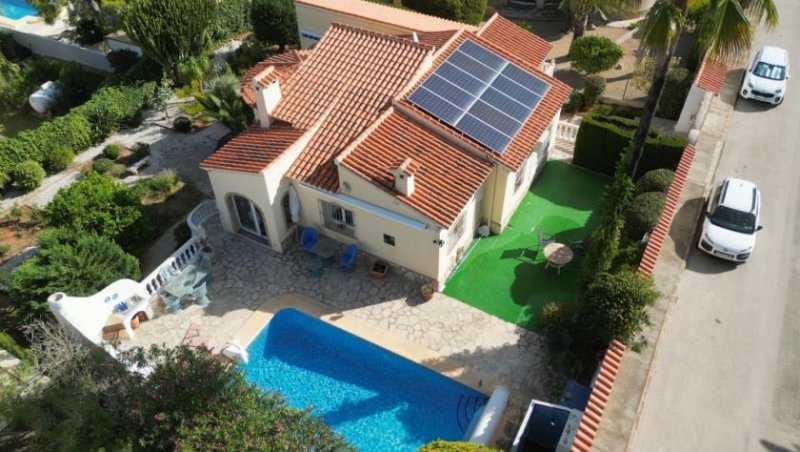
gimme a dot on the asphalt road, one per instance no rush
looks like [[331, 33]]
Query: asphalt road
[[727, 377]]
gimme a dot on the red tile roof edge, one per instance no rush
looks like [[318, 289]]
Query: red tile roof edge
[[598, 398], [659, 233], [711, 76]]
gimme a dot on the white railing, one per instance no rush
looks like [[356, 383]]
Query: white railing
[[187, 254], [566, 131], [200, 214]]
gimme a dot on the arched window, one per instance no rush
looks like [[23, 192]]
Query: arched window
[[251, 221]]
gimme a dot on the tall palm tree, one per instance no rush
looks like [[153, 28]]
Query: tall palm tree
[[578, 11], [727, 32]]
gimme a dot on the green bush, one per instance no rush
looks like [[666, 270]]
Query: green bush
[[102, 165], [8, 344], [118, 170], [613, 307], [182, 124], [643, 214], [467, 11], [629, 256], [59, 159], [454, 446], [11, 49], [141, 150], [576, 102], [99, 205], [69, 261], [655, 180], [232, 17], [158, 186], [674, 95], [112, 151], [87, 32], [592, 54], [28, 175], [122, 60], [250, 53], [593, 89], [76, 130], [601, 140]]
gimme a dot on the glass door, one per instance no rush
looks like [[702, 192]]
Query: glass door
[[250, 219]]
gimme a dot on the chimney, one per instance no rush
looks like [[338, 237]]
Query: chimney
[[404, 176], [268, 94]]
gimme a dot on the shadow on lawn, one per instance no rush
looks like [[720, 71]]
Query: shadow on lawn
[[567, 185]]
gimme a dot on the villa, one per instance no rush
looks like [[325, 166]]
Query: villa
[[401, 144]]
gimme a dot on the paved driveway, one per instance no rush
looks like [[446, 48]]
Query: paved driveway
[[728, 374]]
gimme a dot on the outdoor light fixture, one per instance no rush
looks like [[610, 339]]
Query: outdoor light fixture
[[438, 242]]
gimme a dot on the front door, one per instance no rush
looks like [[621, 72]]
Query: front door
[[250, 219]]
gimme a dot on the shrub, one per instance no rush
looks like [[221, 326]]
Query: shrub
[[568, 363], [593, 89], [59, 159], [576, 102], [232, 17], [68, 261], [112, 151], [28, 175], [274, 22], [601, 140], [93, 402], [122, 60], [592, 54], [643, 214], [10, 345], [629, 256], [158, 186], [118, 170], [141, 150], [182, 124], [87, 32], [676, 88], [99, 205], [4, 249], [655, 180], [454, 446], [11, 49], [467, 11], [102, 165], [250, 53], [613, 307]]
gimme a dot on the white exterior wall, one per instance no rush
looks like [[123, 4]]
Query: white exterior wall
[[365, 191], [690, 109], [316, 21], [414, 248], [453, 251], [252, 186]]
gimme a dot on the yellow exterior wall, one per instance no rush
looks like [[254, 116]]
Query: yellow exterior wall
[[252, 186], [317, 20]]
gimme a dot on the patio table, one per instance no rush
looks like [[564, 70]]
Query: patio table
[[325, 248], [185, 283], [557, 255]]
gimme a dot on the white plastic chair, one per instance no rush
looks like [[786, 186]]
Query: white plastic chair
[[545, 239]]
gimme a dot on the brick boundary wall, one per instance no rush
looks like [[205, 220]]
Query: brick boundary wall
[[609, 367], [656, 241], [601, 391]]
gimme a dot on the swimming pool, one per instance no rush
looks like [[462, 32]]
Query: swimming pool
[[378, 400], [16, 9]]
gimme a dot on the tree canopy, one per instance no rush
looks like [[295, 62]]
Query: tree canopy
[[169, 31], [274, 22], [467, 11]]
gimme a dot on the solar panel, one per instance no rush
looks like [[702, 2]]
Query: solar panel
[[481, 94]]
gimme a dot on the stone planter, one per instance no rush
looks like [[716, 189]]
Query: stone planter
[[379, 269]]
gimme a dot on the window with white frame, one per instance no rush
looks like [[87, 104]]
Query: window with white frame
[[337, 218]]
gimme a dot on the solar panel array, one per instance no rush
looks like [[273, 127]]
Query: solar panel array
[[481, 94]]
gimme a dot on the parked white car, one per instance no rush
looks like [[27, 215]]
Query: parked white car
[[731, 220], [765, 79]]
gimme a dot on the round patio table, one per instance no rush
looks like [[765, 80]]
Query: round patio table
[[557, 255]]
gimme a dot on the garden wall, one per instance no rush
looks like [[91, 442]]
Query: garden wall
[[67, 51], [601, 140]]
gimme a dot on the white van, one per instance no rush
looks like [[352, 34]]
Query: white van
[[765, 79], [731, 221]]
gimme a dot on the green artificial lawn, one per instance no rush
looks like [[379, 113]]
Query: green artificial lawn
[[504, 274], [12, 123]]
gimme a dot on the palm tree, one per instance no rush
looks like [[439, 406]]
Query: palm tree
[[222, 101], [578, 11], [726, 32]]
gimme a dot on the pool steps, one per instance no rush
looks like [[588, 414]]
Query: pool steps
[[484, 428]]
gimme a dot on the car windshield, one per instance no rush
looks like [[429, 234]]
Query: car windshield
[[770, 71], [735, 220]]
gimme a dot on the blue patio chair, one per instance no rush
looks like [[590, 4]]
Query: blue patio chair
[[308, 238], [348, 259]]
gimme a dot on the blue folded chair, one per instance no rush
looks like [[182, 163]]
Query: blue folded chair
[[308, 238], [348, 259]]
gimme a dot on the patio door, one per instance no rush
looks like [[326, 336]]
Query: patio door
[[249, 216]]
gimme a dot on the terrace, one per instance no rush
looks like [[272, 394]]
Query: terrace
[[505, 275]]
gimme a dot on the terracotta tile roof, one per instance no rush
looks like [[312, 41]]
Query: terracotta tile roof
[[254, 149], [351, 76], [507, 35], [446, 177], [598, 398], [403, 18], [525, 57], [711, 76], [284, 63], [434, 38]]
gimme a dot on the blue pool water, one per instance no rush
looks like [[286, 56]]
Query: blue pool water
[[16, 9], [378, 400]]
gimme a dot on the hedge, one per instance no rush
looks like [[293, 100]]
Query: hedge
[[601, 140], [85, 125]]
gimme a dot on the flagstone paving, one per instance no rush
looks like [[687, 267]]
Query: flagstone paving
[[246, 274]]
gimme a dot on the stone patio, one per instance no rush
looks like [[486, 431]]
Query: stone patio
[[246, 274]]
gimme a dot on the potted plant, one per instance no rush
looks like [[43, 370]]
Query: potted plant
[[379, 269], [427, 291]]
